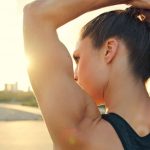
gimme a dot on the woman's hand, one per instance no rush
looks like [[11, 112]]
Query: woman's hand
[[140, 3], [145, 5], [96, 4]]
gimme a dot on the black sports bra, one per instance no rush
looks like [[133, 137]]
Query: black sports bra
[[129, 138]]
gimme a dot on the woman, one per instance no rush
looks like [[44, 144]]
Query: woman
[[113, 64], [124, 94]]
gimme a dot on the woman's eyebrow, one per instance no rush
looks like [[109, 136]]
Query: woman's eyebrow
[[74, 56]]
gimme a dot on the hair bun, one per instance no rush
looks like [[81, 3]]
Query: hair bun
[[137, 13]]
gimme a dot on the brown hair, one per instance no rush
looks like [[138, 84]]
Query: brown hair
[[129, 25]]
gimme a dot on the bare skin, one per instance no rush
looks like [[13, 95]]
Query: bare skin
[[68, 106], [141, 3]]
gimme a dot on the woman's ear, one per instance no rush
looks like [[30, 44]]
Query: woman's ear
[[111, 48]]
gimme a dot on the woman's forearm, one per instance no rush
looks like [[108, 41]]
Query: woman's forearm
[[60, 12]]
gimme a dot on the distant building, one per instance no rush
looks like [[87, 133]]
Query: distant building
[[11, 87]]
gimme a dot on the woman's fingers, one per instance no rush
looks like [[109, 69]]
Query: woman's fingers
[[141, 3]]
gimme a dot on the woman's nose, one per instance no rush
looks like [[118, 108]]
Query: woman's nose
[[75, 75]]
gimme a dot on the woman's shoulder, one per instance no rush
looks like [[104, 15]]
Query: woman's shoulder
[[102, 136]]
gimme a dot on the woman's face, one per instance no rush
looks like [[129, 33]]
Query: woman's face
[[91, 72]]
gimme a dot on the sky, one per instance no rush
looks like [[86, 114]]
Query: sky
[[12, 60], [13, 63]]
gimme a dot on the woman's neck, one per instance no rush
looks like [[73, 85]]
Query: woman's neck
[[130, 100], [126, 95]]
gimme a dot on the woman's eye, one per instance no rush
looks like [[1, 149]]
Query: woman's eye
[[76, 58]]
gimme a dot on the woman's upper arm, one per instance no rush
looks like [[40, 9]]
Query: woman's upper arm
[[63, 103]]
